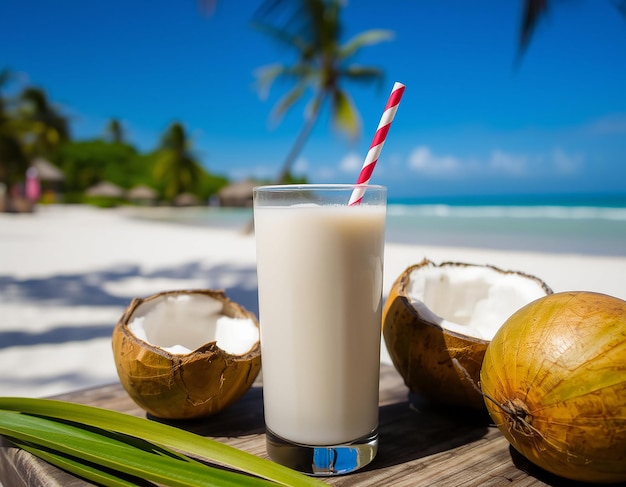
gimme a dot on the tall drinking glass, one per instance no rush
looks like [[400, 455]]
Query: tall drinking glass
[[320, 274]]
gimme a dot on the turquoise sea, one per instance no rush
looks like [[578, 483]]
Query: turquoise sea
[[592, 224]]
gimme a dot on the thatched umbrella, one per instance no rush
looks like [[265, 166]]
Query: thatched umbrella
[[142, 194], [106, 189], [50, 177], [186, 199], [47, 171], [237, 194]]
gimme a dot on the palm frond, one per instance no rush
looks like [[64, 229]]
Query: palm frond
[[288, 13], [327, 28], [311, 26], [345, 116], [363, 74], [532, 12], [288, 100], [283, 37], [267, 75], [367, 38], [95, 442]]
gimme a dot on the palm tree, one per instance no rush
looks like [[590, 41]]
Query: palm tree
[[313, 30], [5, 77], [13, 161], [176, 165], [43, 127], [115, 131]]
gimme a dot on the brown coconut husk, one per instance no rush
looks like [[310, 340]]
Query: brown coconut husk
[[193, 385], [441, 365]]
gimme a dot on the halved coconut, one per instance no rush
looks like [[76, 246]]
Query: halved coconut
[[186, 354], [439, 319]]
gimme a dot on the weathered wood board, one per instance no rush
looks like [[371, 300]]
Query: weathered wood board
[[420, 445]]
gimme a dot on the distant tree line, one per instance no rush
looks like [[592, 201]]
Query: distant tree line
[[31, 127]]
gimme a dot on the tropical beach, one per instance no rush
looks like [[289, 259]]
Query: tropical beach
[[67, 273], [131, 139]]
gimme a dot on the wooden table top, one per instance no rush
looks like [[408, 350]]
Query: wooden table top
[[420, 444]]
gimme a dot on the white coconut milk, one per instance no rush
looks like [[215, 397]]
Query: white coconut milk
[[320, 272]]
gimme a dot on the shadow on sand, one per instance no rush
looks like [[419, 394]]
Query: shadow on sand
[[94, 289]]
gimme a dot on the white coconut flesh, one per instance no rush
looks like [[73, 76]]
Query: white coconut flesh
[[471, 300], [180, 324]]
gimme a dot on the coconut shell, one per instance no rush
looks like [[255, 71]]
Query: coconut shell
[[560, 398], [172, 386], [441, 365]]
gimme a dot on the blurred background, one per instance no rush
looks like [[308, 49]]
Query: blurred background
[[172, 102]]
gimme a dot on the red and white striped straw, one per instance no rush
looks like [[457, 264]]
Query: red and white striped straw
[[377, 144]]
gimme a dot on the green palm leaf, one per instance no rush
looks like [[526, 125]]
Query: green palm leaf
[[363, 74], [345, 115], [367, 38], [114, 453], [288, 100], [81, 468], [68, 429]]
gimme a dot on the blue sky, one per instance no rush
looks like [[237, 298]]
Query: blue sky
[[469, 123]]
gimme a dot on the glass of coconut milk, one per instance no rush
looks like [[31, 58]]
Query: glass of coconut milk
[[320, 275]]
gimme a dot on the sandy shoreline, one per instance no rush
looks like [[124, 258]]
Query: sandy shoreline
[[67, 274]]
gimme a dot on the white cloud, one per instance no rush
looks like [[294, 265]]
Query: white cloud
[[267, 172], [300, 167], [351, 163], [515, 165], [499, 164], [422, 160], [565, 163], [258, 172], [614, 124], [345, 171], [328, 174]]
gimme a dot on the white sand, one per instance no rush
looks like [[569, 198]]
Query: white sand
[[68, 273]]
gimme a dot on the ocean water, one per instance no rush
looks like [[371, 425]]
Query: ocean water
[[580, 224]]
